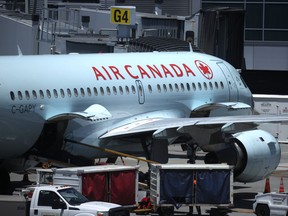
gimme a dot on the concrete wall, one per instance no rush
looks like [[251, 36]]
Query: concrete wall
[[14, 33]]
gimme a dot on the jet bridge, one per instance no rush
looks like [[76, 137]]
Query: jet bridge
[[160, 44]]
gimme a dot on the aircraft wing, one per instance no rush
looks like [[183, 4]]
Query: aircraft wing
[[161, 127]]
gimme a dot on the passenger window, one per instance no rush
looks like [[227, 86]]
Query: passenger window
[[75, 92], [101, 91], [182, 87], [34, 94], [95, 91], [199, 86], [210, 85], [55, 93], [222, 85], [20, 95], [62, 93], [159, 88], [48, 93], [27, 95], [194, 86], [108, 91], [82, 92], [41, 94], [12, 95], [150, 88], [216, 85], [89, 92], [170, 87], [114, 90], [121, 90], [176, 87], [69, 92], [127, 90], [133, 89], [164, 88], [205, 86], [188, 86]]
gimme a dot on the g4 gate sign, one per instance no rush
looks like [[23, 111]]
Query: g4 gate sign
[[123, 15]]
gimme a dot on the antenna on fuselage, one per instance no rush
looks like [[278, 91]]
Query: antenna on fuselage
[[19, 50], [190, 47]]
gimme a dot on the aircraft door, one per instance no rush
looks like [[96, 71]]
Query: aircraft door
[[233, 90], [140, 90]]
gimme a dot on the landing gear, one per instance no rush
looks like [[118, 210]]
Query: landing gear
[[5, 188], [191, 152], [191, 155], [155, 149]]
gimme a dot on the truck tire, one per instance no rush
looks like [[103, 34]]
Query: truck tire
[[166, 211], [262, 210]]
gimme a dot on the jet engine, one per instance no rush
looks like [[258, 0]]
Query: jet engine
[[255, 155]]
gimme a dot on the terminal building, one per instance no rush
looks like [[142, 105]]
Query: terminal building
[[265, 43], [251, 35], [42, 27]]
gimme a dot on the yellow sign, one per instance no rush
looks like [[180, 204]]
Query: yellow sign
[[121, 16]]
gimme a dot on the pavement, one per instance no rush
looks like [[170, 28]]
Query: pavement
[[244, 194]]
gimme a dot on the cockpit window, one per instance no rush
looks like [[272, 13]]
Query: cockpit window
[[243, 82]]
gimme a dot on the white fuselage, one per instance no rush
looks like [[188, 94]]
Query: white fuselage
[[36, 89]]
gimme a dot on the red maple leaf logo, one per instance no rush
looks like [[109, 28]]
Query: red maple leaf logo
[[204, 69]]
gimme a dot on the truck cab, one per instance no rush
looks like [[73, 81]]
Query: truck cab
[[67, 201], [273, 203]]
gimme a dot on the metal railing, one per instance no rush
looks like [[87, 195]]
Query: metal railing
[[59, 22]]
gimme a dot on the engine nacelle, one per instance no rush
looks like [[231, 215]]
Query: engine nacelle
[[263, 154], [255, 155]]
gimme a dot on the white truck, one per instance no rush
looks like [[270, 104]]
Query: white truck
[[109, 183], [175, 185], [56, 201], [267, 204]]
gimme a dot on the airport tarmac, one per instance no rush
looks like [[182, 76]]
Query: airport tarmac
[[244, 194]]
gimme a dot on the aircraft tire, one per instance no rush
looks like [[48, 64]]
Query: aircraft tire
[[166, 211]]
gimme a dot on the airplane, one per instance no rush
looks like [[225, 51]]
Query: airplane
[[138, 103]]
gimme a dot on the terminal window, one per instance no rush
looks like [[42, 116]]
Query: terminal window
[[264, 21]]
